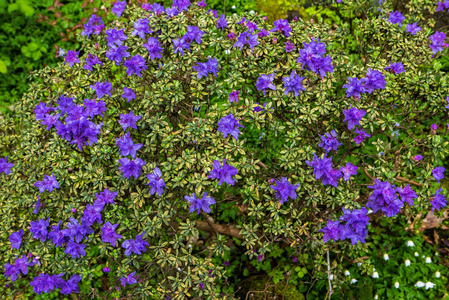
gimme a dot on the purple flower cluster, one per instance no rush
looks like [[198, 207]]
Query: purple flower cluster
[[72, 58], [438, 201], [373, 80], [130, 279], [180, 45], [93, 26], [438, 173], [48, 183], [293, 84], [221, 22], [118, 8], [284, 190], [153, 47], [194, 34], [361, 135], [437, 40], [264, 82], [157, 183], [413, 28], [16, 239], [135, 65], [141, 27], [353, 116], [312, 57], [136, 245], [329, 141], [223, 174], [128, 94], [5, 166], [198, 204], [384, 198], [91, 61], [47, 283], [233, 96], [131, 167], [322, 168], [209, 67], [109, 234], [229, 125], [354, 229], [396, 68], [127, 146], [396, 18], [247, 38], [441, 6], [348, 170], [282, 26], [19, 266]]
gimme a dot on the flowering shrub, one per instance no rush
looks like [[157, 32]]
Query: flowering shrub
[[150, 151]]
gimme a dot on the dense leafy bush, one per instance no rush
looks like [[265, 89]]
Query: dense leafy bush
[[170, 153]]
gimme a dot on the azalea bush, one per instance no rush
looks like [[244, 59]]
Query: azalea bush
[[178, 151]]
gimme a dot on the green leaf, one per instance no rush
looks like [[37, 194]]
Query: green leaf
[[3, 68]]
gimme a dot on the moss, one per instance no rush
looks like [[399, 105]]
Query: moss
[[258, 283]]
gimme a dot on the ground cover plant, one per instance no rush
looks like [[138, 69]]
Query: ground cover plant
[[177, 150]]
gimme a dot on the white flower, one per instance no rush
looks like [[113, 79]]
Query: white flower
[[233, 7], [353, 280], [396, 284], [331, 276], [347, 273], [376, 297], [359, 264], [420, 284], [252, 12], [370, 211], [227, 51], [429, 285], [407, 262], [416, 254], [410, 244], [386, 256], [437, 274], [428, 260], [375, 275]]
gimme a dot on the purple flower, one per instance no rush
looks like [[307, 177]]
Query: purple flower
[[106, 270], [71, 285], [91, 61], [94, 108], [438, 173], [322, 169], [50, 121], [396, 68], [39, 229], [128, 280], [128, 120], [127, 147], [229, 125], [77, 231], [72, 58], [38, 205], [117, 53], [135, 65], [48, 183], [407, 194], [224, 174], [105, 197], [180, 45], [329, 141], [109, 234], [284, 190], [441, 6], [438, 201], [246, 38], [263, 33], [234, 96], [11, 271], [332, 231], [354, 87], [194, 34], [102, 88], [5, 166], [361, 136], [22, 264], [437, 40], [214, 13], [312, 57], [282, 25], [115, 37], [119, 8], [355, 227], [222, 23], [128, 94], [92, 214], [231, 36], [198, 204], [41, 110], [226, 263], [75, 250], [413, 28], [65, 105], [131, 167], [154, 48], [289, 46], [417, 157], [433, 128], [293, 84], [252, 26], [137, 246], [93, 26], [141, 27], [181, 4], [384, 198], [16, 239], [58, 236], [173, 11], [353, 116], [396, 18], [202, 3], [157, 183], [264, 82], [348, 170], [205, 68], [373, 80]]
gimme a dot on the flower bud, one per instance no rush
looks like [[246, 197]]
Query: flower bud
[[437, 274], [396, 284], [407, 262], [386, 257]]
